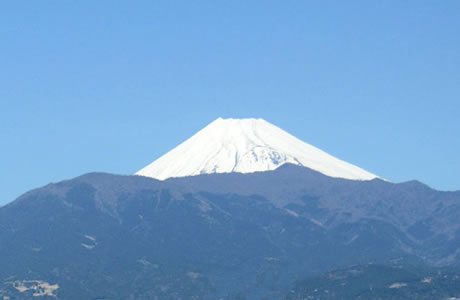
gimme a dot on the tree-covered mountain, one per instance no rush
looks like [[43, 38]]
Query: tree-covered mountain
[[395, 280], [229, 236]]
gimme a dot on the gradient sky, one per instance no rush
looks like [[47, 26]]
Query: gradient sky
[[112, 85]]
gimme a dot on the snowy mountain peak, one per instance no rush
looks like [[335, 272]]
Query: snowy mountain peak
[[245, 146]]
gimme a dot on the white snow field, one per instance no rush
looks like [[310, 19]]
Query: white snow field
[[245, 146]]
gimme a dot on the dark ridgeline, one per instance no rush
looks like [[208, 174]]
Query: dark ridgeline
[[229, 236]]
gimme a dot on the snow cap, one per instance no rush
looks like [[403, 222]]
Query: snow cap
[[245, 146]]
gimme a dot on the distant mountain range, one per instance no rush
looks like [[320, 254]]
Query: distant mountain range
[[229, 236]]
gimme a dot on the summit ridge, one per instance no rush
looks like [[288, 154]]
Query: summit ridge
[[246, 146]]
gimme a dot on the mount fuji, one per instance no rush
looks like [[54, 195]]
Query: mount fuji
[[246, 146], [278, 211]]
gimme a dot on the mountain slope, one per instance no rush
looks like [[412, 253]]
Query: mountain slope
[[395, 280], [245, 146], [229, 236]]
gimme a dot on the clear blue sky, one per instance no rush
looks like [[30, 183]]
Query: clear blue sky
[[112, 85]]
